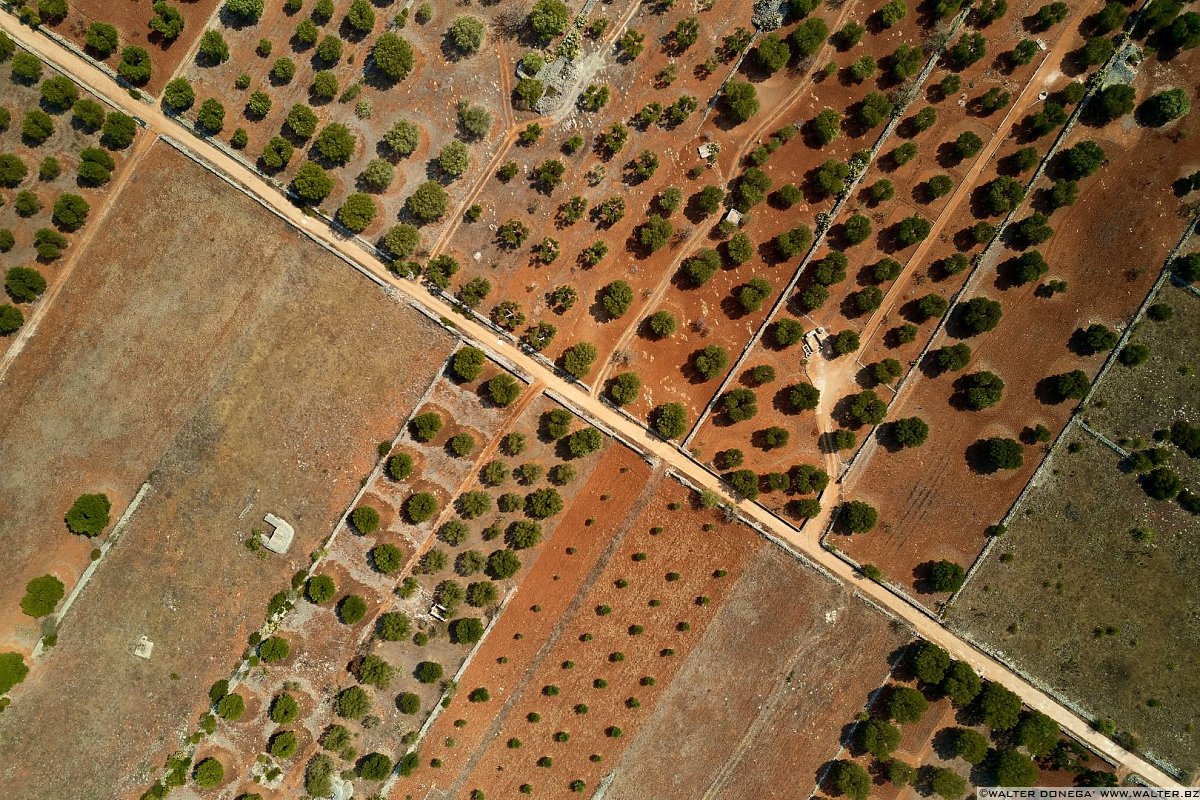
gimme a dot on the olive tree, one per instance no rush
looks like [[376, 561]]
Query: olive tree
[[392, 56], [669, 420], [856, 516]]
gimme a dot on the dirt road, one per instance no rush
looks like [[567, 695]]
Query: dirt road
[[157, 122]]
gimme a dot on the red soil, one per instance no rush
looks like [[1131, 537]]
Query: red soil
[[132, 21], [583, 581], [1109, 247]]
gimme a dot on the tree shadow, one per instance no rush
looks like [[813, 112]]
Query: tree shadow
[[1009, 166], [923, 785], [964, 240], [731, 307], [888, 240], [351, 33], [840, 413], [1008, 271], [943, 744], [690, 373], [824, 774], [901, 662], [976, 458], [885, 434], [929, 366], [825, 443], [849, 309], [1073, 64], [922, 578], [948, 156], [1047, 393]]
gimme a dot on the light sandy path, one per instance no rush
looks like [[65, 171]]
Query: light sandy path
[[923, 624], [695, 243]]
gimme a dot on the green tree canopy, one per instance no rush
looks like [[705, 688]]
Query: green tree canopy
[[879, 738], [393, 56], [856, 516], [946, 576], [905, 704], [669, 420], [89, 514], [209, 773], [740, 101], [929, 662], [41, 596], [851, 780], [428, 202]]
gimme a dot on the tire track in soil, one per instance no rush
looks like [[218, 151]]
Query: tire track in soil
[[784, 106], [46, 301], [632, 515], [513, 413], [917, 616], [831, 498], [532, 393], [508, 124], [695, 242]]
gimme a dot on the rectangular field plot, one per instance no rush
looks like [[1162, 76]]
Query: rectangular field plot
[[760, 705], [1078, 598], [64, 154], [420, 576], [132, 22], [215, 353], [1135, 401]]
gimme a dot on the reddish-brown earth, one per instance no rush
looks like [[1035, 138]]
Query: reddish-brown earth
[[1109, 248], [132, 21]]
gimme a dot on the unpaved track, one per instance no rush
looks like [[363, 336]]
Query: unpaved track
[[925, 626]]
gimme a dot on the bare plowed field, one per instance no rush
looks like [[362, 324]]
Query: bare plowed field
[[612, 636], [240, 370], [643, 637]]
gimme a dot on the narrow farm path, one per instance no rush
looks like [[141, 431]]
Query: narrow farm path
[[697, 242], [520, 690], [772, 118], [817, 371]]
